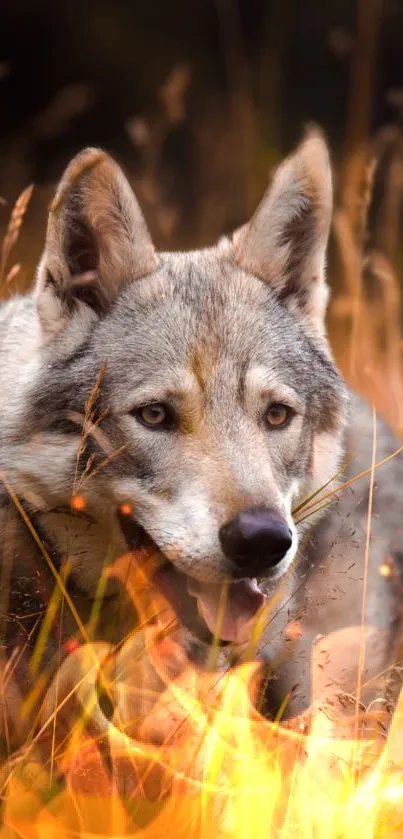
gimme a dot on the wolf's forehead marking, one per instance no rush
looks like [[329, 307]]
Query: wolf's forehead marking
[[199, 365], [204, 360]]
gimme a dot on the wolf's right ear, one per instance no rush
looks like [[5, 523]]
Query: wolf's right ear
[[96, 241], [285, 243]]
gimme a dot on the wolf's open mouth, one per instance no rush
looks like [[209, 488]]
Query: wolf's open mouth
[[224, 611]]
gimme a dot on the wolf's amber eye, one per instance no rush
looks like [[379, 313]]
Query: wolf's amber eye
[[278, 415], [155, 415]]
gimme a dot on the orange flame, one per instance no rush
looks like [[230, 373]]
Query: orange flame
[[182, 753]]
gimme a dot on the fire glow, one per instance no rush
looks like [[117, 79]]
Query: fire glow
[[182, 753]]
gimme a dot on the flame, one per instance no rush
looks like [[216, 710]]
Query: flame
[[185, 753]]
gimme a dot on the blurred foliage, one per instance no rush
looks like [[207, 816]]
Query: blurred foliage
[[198, 101]]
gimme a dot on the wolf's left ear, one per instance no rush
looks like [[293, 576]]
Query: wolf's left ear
[[96, 241], [285, 243]]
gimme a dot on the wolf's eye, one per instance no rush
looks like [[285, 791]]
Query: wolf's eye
[[278, 415], [155, 415]]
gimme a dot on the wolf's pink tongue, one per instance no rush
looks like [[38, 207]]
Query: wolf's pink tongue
[[242, 601]]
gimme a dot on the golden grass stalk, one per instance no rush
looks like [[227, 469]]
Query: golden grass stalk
[[14, 227]]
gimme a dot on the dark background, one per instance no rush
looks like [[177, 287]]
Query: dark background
[[198, 99]]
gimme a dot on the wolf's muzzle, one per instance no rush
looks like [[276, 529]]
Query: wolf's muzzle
[[256, 540]]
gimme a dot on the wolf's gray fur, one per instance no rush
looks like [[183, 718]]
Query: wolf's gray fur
[[219, 335]]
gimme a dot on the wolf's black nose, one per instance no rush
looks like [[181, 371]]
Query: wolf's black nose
[[256, 540]]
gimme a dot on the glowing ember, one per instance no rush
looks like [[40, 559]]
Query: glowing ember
[[293, 630], [126, 509], [71, 645], [77, 502]]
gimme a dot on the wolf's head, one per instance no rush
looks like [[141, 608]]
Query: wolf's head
[[218, 390]]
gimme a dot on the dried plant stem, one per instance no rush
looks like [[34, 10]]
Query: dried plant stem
[[361, 653], [14, 226]]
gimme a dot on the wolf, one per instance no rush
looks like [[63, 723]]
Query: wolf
[[188, 402]]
